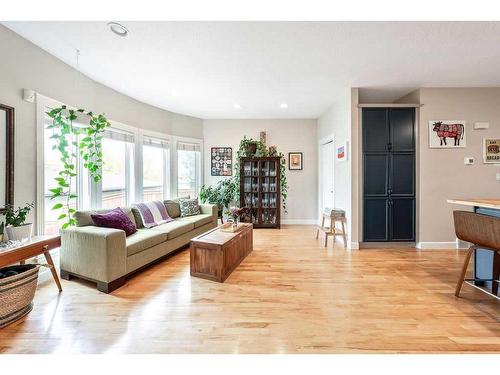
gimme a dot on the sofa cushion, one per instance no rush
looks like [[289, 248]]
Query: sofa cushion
[[173, 208], [143, 239], [83, 218], [197, 220], [116, 219], [189, 207], [173, 229], [137, 216]]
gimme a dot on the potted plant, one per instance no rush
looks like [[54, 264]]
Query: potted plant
[[222, 194], [15, 220]]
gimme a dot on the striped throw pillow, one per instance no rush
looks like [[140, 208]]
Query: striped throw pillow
[[153, 213]]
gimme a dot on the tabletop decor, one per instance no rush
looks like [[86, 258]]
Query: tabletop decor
[[17, 228], [235, 213]]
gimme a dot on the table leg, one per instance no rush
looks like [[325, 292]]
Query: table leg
[[52, 269]]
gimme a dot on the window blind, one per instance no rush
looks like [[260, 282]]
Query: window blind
[[155, 142], [119, 135], [186, 146]]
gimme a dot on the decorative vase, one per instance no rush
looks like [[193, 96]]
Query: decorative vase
[[20, 233], [235, 221]]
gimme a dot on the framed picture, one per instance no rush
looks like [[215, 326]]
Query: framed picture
[[295, 161], [221, 161], [342, 152], [491, 150], [447, 134]]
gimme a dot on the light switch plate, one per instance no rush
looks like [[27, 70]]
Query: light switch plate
[[481, 125], [498, 176]]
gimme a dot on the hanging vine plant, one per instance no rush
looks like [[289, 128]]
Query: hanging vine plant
[[70, 141], [253, 148]]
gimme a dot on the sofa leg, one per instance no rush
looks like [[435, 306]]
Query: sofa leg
[[66, 275], [111, 286]]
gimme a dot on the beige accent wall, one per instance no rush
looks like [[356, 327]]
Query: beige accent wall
[[24, 65], [289, 136], [442, 173]]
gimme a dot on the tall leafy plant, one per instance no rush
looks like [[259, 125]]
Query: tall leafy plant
[[71, 140]]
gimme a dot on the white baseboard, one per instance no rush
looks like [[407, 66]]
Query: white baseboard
[[299, 221], [353, 245], [441, 245]]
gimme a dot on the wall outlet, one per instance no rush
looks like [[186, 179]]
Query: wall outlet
[[468, 160]]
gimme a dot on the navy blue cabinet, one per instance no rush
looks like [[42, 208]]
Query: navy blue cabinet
[[388, 174]]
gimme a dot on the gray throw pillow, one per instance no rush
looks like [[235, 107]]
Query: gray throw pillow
[[189, 207]]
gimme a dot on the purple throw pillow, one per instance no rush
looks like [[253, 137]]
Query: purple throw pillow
[[116, 219]]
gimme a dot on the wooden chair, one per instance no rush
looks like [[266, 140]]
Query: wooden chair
[[483, 232], [334, 216]]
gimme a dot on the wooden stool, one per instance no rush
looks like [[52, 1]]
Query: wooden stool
[[334, 215], [482, 232]]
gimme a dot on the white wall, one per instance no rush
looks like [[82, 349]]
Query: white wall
[[288, 136], [336, 122], [24, 65]]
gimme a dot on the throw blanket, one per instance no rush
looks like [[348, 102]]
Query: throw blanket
[[153, 213]]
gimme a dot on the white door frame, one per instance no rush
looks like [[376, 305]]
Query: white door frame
[[329, 138]]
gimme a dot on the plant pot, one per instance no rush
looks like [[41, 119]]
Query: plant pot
[[20, 233], [251, 149]]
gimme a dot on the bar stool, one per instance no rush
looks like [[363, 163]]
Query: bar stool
[[334, 215], [483, 232]]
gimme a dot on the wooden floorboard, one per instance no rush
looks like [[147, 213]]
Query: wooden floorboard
[[290, 295]]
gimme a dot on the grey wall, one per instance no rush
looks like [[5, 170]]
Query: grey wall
[[24, 65], [288, 136]]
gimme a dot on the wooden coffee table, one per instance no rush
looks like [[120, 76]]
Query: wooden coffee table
[[216, 253]]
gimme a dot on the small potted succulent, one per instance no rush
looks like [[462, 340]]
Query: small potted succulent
[[15, 219]]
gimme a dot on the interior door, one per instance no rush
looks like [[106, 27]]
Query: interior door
[[327, 165]]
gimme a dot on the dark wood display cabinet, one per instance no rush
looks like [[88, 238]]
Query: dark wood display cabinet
[[260, 191]]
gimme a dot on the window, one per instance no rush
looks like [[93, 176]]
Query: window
[[118, 170], [138, 166], [188, 169], [155, 169]]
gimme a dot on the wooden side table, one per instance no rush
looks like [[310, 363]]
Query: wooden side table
[[38, 245]]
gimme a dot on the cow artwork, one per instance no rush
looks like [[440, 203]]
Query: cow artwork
[[439, 131]]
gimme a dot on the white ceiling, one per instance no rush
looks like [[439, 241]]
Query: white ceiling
[[211, 66]]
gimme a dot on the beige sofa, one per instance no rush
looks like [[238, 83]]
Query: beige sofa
[[107, 257]]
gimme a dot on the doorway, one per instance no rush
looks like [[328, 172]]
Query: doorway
[[326, 171]]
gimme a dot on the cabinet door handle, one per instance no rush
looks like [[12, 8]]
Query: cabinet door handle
[[389, 146], [389, 191]]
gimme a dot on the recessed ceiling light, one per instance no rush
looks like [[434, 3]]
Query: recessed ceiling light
[[118, 29], [283, 106], [236, 106]]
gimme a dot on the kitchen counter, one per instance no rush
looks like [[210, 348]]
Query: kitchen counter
[[482, 202]]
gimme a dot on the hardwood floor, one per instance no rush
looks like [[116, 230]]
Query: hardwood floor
[[290, 295]]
